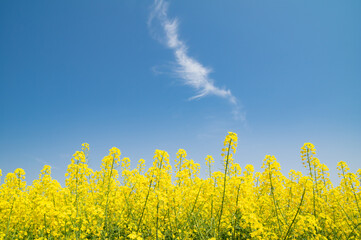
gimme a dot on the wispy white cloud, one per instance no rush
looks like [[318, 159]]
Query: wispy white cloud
[[44, 162], [192, 72]]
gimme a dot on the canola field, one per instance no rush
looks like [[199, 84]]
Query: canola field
[[173, 202]]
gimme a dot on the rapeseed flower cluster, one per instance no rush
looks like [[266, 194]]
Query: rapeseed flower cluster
[[165, 202]]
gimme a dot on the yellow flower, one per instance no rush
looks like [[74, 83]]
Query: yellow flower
[[181, 205]]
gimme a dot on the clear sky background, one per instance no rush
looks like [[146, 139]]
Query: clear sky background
[[125, 74]]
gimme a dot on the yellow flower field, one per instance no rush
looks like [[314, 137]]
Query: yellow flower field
[[165, 202]]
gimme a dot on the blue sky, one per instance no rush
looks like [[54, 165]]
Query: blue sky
[[138, 77]]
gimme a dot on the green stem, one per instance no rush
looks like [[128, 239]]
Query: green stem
[[298, 211], [145, 204], [107, 200], [236, 212], [76, 199], [353, 191], [195, 202], [314, 197], [274, 199], [46, 228], [8, 224], [224, 187], [156, 233]]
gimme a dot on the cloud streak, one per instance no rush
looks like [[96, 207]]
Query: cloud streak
[[192, 72]]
